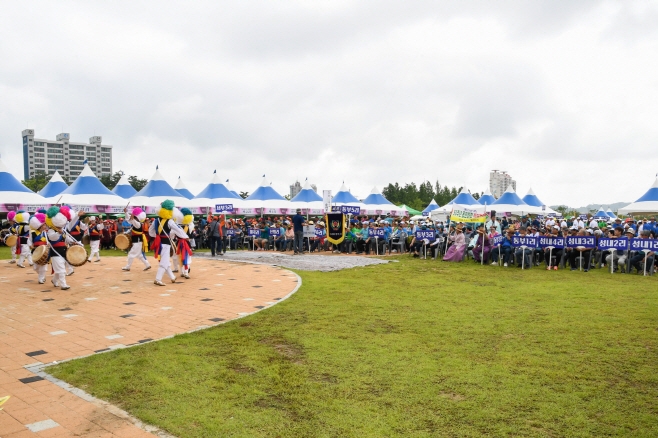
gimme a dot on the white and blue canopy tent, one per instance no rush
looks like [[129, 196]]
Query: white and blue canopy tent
[[156, 191], [646, 204], [308, 200], [87, 190], [55, 186], [377, 204], [487, 198], [345, 197], [610, 213], [601, 215], [432, 206], [464, 198], [532, 200], [266, 199], [180, 188], [124, 188], [216, 193], [230, 189], [510, 202], [14, 193]]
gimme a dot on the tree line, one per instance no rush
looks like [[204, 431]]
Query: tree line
[[419, 197], [110, 181]]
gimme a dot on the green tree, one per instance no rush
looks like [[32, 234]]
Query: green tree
[[137, 183], [39, 181], [110, 181], [244, 195]]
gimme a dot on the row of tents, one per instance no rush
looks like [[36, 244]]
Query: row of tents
[[87, 190]]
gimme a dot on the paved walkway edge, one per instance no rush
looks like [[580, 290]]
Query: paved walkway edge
[[39, 368]]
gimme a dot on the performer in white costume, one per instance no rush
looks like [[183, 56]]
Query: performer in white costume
[[139, 246], [39, 237], [12, 229], [23, 232], [56, 218], [162, 229], [76, 228], [94, 231]]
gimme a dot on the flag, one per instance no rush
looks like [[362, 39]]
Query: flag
[[335, 227]]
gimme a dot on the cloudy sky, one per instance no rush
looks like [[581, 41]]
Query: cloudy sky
[[562, 95]]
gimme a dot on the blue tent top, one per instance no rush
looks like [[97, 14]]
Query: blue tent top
[[157, 186], [307, 194], [464, 198], [55, 186], [230, 189], [610, 213], [87, 184], [344, 196], [264, 192], [601, 214], [180, 188], [509, 198], [376, 198], [432, 206], [9, 183], [532, 199], [123, 188], [217, 190], [487, 198]]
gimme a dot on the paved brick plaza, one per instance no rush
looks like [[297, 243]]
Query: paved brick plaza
[[105, 309]]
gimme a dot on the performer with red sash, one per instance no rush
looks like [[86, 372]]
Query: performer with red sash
[[56, 218], [39, 237], [163, 228], [12, 229], [139, 247], [95, 230], [23, 232], [183, 250]]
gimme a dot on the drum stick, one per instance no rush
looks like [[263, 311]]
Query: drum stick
[[58, 200]]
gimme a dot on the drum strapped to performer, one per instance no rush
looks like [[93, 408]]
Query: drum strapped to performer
[[40, 254], [11, 239], [122, 242], [76, 255]]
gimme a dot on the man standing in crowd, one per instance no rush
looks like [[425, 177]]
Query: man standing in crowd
[[493, 222], [298, 223], [215, 236]]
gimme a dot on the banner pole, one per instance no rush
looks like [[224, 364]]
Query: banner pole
[[522, 257], [550, 257], [612, 260]]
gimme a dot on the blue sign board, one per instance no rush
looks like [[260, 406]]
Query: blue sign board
[[530, 242], [497, 240], [583, 217], [584, 241], [347, 209], [275, 231], [254, 232], [224, 208], [638, 244], [319, 232], [425, 234], [618, 244], [230, 232], [377, 232], [555, 242]]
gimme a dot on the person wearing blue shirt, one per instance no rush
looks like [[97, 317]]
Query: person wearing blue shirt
[[298, 223], [506, 246]]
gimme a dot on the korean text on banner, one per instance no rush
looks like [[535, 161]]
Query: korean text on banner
[[468, 215]]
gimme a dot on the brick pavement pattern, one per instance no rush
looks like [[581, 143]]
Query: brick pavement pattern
[[105, 309]]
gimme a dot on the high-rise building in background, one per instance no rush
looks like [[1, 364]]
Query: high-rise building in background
[[297, 187], [41, 155], [499, 181]]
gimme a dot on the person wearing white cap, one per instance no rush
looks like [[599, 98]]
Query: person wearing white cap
[[95, 231]]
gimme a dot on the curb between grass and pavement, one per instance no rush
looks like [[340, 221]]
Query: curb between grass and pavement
[[39, 368]]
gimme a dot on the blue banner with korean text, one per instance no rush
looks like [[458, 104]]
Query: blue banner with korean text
[[224, 208], [425, 234], [530, 242], [619, 244], [638, 244], [555, 242], [254, 232], [581, 241], [377, 232], [347, 209]]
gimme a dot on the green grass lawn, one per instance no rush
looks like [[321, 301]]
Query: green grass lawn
[[410, 349]]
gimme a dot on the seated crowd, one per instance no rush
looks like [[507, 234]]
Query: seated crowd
[[453, 241]]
